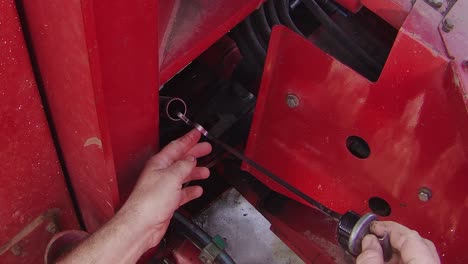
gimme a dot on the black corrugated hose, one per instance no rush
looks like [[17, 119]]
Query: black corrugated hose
[[252, 38]]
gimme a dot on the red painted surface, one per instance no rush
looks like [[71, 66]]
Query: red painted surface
[[125, 59], [455, 44], [414, 119], [195, 27], [58, 40], [31, 179], [99, 64]]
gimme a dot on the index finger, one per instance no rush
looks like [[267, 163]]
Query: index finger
[[175, 150]]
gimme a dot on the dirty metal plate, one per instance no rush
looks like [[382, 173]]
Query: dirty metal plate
[[413, 119], [247, 233]]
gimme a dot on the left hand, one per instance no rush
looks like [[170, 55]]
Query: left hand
[[159, 192]]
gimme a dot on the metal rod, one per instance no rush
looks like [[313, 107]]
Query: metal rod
[[336, 216]]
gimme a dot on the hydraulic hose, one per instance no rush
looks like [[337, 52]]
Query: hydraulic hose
[[244, 48], [340, 36], [198, 236], [247, 29], [283, 12], [261, 24], [272, 14]]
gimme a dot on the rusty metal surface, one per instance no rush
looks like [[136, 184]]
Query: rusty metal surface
[[413, 118]]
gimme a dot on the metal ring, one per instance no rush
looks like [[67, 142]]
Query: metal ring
[[184, 112], [360, 230]]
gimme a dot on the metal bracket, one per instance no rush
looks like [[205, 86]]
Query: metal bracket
[[49, 215], [212, 250]]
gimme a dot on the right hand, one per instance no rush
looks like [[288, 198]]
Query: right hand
[[409, 247]]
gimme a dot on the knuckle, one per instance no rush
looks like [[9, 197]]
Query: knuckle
[[414, 234]]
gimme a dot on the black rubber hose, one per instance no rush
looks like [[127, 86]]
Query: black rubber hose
[[261, 24], [198, 236], [283, 12], [247, 30], [273, 18], [340, 36], [245, 50]]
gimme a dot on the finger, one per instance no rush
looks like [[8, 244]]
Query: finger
[[175, 150], [408, 242], [432, 248], [394, 230], [180, 170], [190, 193], [200, 150], [371, 251], [198, 173]]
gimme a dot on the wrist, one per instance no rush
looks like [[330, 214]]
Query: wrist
[[143, 234]]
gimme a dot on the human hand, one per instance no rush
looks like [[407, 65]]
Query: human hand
[[409, 247], [159, 192]]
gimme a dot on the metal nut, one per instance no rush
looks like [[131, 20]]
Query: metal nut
[[292, 100], [448, 25], [425, 194], [436, 3]]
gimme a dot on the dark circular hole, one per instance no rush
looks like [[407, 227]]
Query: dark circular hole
[[379, 206], [358, 147]]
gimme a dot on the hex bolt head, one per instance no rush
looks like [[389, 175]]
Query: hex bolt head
[[436, 3], [425, 194], [292, 100], [448, 25], [16, 250], [52, 228]]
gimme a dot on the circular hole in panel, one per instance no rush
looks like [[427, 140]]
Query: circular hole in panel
[[379, 206], [358, 147]]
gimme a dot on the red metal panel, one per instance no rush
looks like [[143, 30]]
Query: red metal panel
[[58, 36], [99, 64], [125, 58], [195, 26], [31, 179], [414, 119]]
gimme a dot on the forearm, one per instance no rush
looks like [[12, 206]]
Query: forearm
[[116, 242]]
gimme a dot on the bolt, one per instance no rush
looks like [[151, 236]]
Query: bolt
[[448, 25], [52, 228], [17, 250], [436, 3], [292, 100], [425, 194]]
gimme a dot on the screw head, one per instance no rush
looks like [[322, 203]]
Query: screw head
[[448, 25], [425, 194], [436, 3], [292, 100]]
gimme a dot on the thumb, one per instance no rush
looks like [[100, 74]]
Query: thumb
[[371, 251]]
